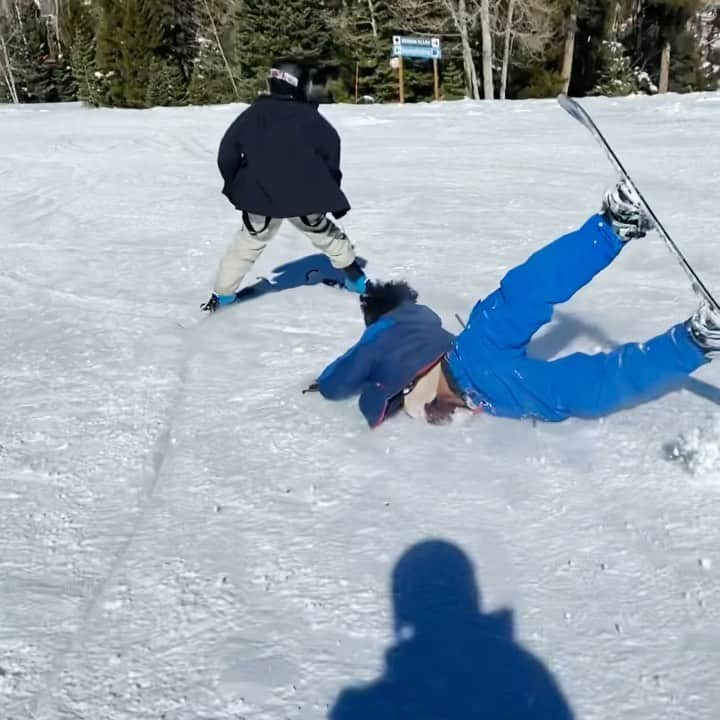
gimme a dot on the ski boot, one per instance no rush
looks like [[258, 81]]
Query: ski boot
[[704, 327], [622, 207], [355, 278], [217, 301]]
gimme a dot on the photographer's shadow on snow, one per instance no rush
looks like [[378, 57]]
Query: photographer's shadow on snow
[[309, 270], [451, 661]]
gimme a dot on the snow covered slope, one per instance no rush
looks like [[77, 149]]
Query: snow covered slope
[[183, 535]]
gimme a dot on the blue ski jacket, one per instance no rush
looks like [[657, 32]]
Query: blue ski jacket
[[391, 353]]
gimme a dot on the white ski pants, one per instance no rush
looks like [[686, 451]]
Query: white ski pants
[[257, 231]]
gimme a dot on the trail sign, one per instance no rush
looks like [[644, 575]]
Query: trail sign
[[417, 47]]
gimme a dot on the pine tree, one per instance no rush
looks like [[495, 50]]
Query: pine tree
[[594, 19], [617, 76], [362, 39], [61, 80], [37, 75], [15, 57], [687, 70], [140, 40], [215, 73], [453, 74], [78, 38], [167, 84], [178, 20], [129, 42], [661, 23], [174, 47], [110, 85], [709, 37]]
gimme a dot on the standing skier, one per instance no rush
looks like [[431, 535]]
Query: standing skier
[[281, 159], [406, 360]]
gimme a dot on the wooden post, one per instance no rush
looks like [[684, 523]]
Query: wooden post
[[401, 78], [357, 82], [436, 77]]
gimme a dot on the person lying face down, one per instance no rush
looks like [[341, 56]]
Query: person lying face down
[[405, 359]]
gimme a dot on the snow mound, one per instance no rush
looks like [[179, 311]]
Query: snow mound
[[698, 449]]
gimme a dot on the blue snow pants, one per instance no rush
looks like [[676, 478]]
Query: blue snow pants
[[489, 363]]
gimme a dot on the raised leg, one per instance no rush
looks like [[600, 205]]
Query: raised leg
[[510, 316]]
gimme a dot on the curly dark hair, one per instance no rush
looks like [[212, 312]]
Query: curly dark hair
[[380, 298]]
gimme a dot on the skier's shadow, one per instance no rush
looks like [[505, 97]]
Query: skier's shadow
[[451, 661], [566, 327], [308, 270]]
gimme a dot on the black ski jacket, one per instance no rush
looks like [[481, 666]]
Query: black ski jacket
[[281, 158]]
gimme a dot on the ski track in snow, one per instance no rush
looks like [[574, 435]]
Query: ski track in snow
[[46, 698], [186, 536]]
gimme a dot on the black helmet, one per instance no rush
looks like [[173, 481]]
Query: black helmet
[[299, 80], [287, 77]]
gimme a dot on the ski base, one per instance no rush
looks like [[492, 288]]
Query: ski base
[[576, 111]]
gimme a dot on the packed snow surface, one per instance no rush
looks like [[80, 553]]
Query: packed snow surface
[[184, 535]]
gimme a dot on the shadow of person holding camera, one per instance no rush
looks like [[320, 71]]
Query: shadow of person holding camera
[[451, 661]]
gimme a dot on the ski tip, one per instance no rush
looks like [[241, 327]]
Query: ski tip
[[572, 107]]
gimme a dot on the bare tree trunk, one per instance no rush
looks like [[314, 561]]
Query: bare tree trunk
[[7, 73], [57, 19], [51, 39], [56, 25], [566, 72], [664, 68], [221, 49], [21, 26], [506, 49], [50, 12], [487, 50], [638, 26], [461, 22], [373, 21], [616, 20], [422, 17]]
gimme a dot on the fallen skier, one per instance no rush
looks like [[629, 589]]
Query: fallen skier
[[405, 360]]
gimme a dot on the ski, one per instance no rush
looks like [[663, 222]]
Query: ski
[[575, 110]]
